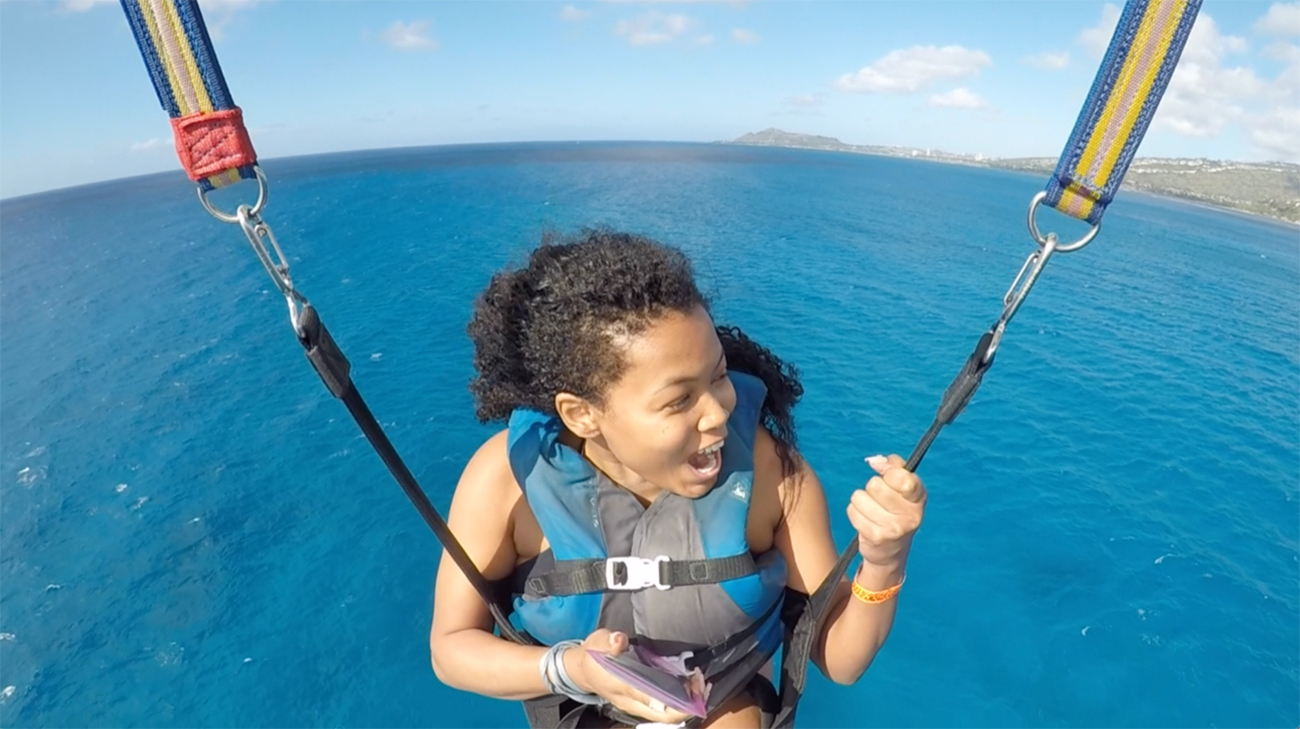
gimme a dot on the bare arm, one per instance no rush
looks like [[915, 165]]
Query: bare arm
[[854, 631], [464, 651]]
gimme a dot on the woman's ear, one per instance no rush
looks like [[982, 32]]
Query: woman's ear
[[579, 416]]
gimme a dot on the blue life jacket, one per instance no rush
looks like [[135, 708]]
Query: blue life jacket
[[674, 576]]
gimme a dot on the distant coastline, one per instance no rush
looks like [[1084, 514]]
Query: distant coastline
[[1267, 189]]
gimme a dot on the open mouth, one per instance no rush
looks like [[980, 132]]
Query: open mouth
[[707, 461]]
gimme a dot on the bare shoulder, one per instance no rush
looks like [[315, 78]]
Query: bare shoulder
[[770, 477], [796, 506], [482, 507], [489, 467]]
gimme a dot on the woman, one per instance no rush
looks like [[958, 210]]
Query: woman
[[641, 434]]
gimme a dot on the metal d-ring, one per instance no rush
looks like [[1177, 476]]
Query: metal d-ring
[[1041, 240], [255, 211]]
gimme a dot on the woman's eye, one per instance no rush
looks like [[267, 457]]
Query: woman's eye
[[680, 402]]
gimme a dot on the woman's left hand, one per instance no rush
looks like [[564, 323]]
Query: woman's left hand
[[887, 512]]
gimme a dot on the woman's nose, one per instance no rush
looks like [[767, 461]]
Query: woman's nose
[[715, 415]]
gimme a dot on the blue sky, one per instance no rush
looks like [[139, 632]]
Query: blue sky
[[995, 78]]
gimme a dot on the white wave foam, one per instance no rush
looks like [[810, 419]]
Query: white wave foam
[[172, 655], [29, 475], [6, 636], [7, 692], [121, 487]]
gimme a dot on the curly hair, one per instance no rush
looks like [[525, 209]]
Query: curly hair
[[550, 327]]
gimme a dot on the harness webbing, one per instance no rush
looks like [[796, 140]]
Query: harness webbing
[[335, 372], [1124, 96], [582, 576], [208, 128]]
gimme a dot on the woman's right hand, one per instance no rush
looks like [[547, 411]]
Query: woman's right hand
[[591, 677]]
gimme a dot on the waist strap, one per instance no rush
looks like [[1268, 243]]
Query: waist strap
[[618, 574]]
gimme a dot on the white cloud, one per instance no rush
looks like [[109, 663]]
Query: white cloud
[[1210, 93], [409, 36], [804, 101], [226, 5], [653, 28], [572, 14], [1276, 132], [958, 99], [914, 69], [801, 105], [1095, 39], [1286, 87], [703, 40], [1281, 19], [740, 35], [81, 6], [1049, 61], [217, 14], [1204, 96], [148, 145]]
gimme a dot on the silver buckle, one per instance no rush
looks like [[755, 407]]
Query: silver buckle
[[633, 573]]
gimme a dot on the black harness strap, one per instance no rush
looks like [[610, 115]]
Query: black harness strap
[[706, 655], [334, 370], [805, 615]]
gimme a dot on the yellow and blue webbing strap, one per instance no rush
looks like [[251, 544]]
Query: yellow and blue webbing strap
[[1138, 65], [208, 128]]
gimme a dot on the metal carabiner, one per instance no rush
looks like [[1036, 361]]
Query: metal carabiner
[[1019, 288], [1033, 265], [258, 234]]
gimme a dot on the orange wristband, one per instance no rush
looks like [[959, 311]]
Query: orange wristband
[[873, 597]]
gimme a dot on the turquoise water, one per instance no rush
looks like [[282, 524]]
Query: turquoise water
[[196, 534]]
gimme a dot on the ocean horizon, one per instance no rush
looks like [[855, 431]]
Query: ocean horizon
[[169, 176]]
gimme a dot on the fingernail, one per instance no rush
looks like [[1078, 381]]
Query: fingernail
[[877, 460]]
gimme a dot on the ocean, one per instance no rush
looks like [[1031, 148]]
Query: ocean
[[194, 533]]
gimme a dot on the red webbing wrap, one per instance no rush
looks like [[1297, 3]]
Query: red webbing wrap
[[210, 143]]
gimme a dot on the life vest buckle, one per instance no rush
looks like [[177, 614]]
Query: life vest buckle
[[634, 573]]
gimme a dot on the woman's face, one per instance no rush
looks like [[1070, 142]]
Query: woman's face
[[665, 419]]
